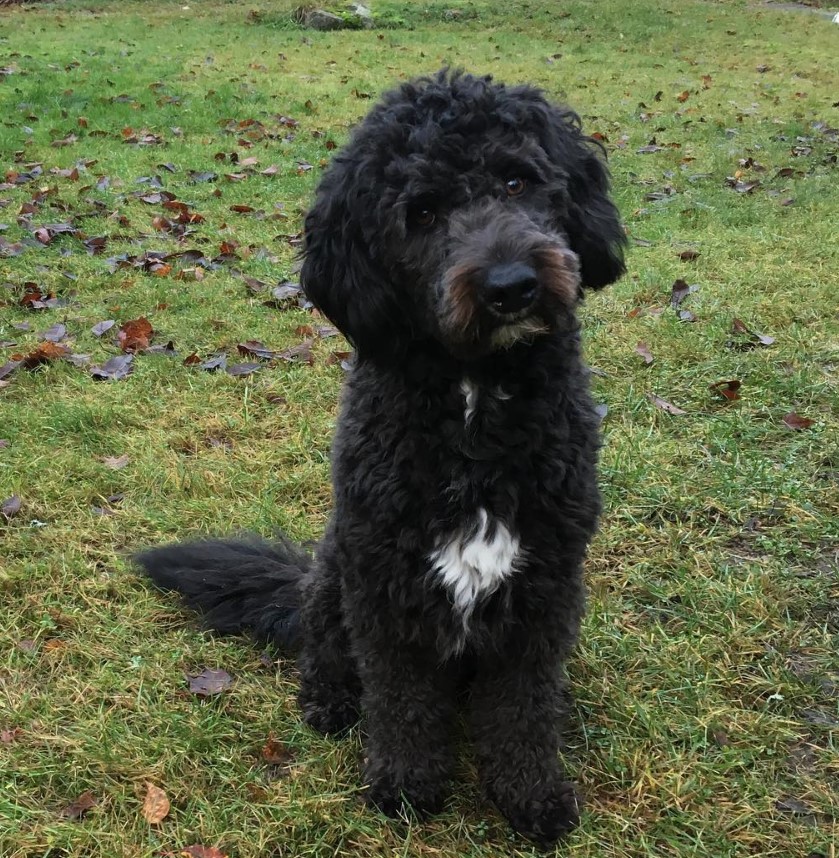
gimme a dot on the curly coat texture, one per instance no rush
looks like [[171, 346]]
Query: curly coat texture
[[450, 241]]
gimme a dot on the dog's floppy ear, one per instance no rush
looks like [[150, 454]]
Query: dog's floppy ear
[[588, 216], [340, 275]]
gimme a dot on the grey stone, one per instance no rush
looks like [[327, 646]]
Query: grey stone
[[319, 19]]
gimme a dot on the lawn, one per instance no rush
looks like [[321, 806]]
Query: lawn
[[157, 159]]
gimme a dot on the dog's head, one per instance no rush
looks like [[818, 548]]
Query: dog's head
[[464, 211]]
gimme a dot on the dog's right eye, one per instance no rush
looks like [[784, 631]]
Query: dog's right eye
[[423, 217]]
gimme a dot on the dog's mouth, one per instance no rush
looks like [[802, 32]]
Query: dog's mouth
[[492, 305]]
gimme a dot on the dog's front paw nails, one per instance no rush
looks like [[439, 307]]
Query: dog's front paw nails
[[546, 815]]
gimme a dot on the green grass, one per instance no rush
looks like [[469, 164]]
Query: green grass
[[706, 681]]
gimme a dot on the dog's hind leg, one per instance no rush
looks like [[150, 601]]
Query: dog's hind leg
[[330, 690], [409, 703], [516, 715]]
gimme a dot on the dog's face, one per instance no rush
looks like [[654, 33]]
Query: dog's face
[[460, 211]]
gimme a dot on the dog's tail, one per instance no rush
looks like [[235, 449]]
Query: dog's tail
[[241, 585]]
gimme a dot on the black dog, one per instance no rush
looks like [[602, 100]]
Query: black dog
[[450, 242]]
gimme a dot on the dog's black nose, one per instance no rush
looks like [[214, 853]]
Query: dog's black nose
[[510, 287]]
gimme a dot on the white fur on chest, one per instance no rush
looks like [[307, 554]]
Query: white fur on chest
[[474, 561]]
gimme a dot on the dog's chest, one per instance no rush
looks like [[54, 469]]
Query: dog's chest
[[475, 557], [474, 560]]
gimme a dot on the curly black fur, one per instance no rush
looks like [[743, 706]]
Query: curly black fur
[[450, 242]]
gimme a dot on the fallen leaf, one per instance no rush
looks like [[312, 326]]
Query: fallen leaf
[[664, 405], [285, 295], [116, 463], [102, 327], [78, 808], [643, 349], [115, 369], [256, 349], [301, 352], [135, 334], [44, 353], [8, 368], [275, 752], [682, 97], [793, 805], [156, 804], [218, 361], [679, 291], [243, 369], [54, 334], [209, 682], [8, 737], [727, 389], [796, 421], [742, 187], [689, 255], [10, 507], [753, 338]]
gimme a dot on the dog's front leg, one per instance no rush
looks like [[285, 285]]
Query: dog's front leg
[[516, 717], [409, 707], [330, 691]]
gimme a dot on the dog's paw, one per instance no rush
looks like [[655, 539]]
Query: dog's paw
[[331, 717], [545, 816], [394, 796]]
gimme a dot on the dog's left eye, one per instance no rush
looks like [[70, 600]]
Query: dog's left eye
[[515, 186], [422, 216]]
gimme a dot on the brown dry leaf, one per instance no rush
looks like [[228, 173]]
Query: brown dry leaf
[[8, 737], [10, 507], [255, 348], [682, 97], [301, 352], [156, 804], [209, 682], [728, 389], [44, 353], [644, 350], [664, 405], [116, 463], [275, 752], [78, 808], [679, 291], [135, 335], [754, 337], [797, 422], [689, 255]]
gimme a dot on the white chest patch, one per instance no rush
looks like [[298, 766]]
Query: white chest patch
[[470, 395], [475, 560]]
